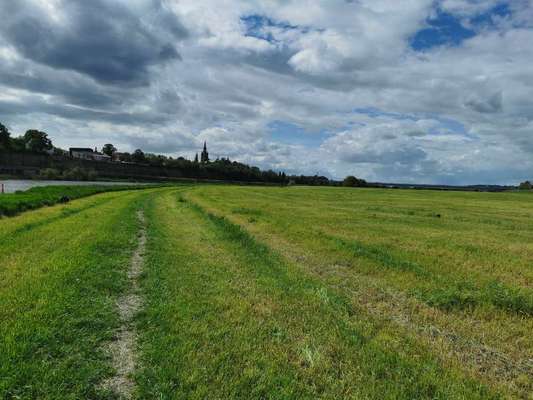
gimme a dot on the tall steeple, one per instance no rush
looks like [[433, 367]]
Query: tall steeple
[[204, 157]]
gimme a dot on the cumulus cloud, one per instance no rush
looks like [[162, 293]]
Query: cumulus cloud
[[165, 75], [103, 39]]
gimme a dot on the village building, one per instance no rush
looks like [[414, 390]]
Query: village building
[[88, 154]]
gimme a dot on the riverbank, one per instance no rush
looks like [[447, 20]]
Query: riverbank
[[37, 197], [14, 185]]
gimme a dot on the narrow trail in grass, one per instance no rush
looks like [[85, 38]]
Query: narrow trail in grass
[[123, 348], [59, 286]]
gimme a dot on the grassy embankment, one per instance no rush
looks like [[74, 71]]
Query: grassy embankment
[[15, 203], [274, 293]]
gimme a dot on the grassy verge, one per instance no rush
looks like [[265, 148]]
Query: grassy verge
[[225, 317], [58, 285], [14, 203]]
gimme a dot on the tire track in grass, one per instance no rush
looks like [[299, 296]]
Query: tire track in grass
[[65, 212], [455, 294], [350, 346], [487, 362], [122, 350]]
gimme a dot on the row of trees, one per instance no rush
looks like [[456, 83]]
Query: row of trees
[[33, 140], [220, 169], [36, 141]]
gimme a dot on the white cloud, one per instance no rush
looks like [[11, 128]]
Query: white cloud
[[458, 114]]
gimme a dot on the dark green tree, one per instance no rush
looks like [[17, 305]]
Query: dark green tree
[[352, 181], [125, 157], [525, 185], [109, 149], [37, 141], [17, 144], [5, 139], [138, 156]]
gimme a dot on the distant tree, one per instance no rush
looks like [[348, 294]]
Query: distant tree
[[352, 181], [155, 160], [314, 180], [37, 141], [60, 152], [138, 156], [525, 185], [109, 149], [196, 158], [4, 137], [125, 157], [17, 144]]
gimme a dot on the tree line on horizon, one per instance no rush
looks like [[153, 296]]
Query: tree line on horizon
[[35, 141]]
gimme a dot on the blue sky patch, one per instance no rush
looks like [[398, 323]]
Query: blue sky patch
[[487, 19], [445, 29], [288, 133], [255, 27]]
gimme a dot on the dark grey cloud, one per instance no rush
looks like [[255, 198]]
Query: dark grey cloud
[[99, 38], [415, 133], [10, 110], [70, 89], [403, 155], [489, 105]]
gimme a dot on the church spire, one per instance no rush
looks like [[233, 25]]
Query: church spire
[[204, 157]]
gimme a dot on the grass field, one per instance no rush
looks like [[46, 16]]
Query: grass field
[[37, 197], [281, 293]]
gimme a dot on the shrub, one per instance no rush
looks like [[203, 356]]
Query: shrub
[[525, 185], [75, 174], [352, 181], [49, 173]]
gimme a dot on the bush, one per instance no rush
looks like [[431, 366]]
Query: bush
[[92, 175], [352, 181], [49, 173], [75, 174], [525, 185]]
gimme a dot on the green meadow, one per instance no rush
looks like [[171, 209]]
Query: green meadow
[[271, 293]]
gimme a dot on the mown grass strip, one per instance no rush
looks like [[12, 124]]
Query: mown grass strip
[[226, 317], [58, 300], [458, 246], [65, 212], [15, 203], [446, 292]]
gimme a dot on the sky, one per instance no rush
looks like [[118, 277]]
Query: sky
[[421, 91]]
